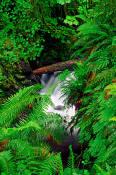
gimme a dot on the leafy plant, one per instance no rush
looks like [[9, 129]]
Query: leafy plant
[[21, 137], [92, 90], [71, 20]]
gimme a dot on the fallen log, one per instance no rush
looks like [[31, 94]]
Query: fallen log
[[60, 66]]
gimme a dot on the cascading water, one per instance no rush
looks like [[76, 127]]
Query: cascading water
[[47, 80]]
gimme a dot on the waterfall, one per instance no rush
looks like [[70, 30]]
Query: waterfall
[[47, 80]]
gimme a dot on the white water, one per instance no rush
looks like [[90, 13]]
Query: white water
[[47, 80]]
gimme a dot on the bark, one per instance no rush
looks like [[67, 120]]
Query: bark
[[60, 66], [65, 9], [76, 6]]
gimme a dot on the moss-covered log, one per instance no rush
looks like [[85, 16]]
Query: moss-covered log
[[60, 66]]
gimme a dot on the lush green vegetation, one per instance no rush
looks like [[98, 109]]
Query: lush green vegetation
[[47, 31]]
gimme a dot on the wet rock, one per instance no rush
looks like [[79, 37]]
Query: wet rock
[[59, 107], [26, 68], [27, 71]]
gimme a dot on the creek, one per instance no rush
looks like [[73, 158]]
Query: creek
[[67, 113]]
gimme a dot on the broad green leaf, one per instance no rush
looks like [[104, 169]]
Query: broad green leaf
[[62, 2], [113, 118]]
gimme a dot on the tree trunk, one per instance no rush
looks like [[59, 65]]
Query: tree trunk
[[60, 66]]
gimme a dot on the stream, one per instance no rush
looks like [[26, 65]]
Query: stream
[[47, 80]]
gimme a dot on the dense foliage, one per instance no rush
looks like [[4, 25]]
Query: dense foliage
[[34, 30], [46, 30]]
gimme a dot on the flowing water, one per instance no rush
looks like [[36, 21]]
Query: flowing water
[[47, 80]]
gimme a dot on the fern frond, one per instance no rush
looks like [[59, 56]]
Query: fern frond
[[52, 165], [7, 165], [16, 104]]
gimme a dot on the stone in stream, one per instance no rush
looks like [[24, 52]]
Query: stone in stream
[[59, 107]]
